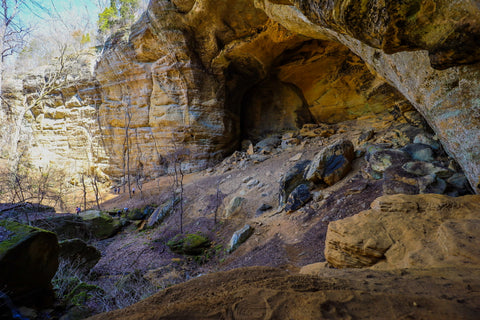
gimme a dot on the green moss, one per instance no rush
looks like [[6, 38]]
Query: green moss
[[18, 233], [189, 244]]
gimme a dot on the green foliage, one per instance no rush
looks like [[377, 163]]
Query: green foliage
[[85, 39], [107, 19], [119, 14]]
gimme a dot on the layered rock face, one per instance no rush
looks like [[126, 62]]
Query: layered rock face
[[206, 74], [403, 231], [203, 75], [62, 130], [384, 36]]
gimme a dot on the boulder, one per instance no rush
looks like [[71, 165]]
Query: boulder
[[79, 254], [235, 205], [190, 244], [331, 164], [428, 140], [239, 237], [422, 168], [162, 212], [292, 179], [66, 227], [28, 262], [297, 199], [432, 184], [101, 225], [419, 151], [380, 160], [404, 231]]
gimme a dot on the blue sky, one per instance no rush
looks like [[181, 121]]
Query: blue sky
[[67, 9]]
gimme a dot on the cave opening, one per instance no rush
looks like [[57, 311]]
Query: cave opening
[[314, 81]]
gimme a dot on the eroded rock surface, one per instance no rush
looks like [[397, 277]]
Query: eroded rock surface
[[404, 231], [28, 262], [203, 75], [267, 293]]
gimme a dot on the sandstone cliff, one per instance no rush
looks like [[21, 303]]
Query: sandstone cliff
[[203, 75], [207, 74]]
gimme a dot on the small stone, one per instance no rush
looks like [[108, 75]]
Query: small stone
[[246, 179], [318, 196], [296, 157], [239, 237], [269, 144], [257, 158], [250, 150], [246, 144], [422, 168], [432, 184], [288, 143], [252, 183], [365, 136], [262, 209], [424, 139], [458, 180]]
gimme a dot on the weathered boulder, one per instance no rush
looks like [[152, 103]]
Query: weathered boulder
[[239, 237], [235, 205], [190, 244], [79, 254], [162, 212], [402, 231], [297, 198], [419, 151], [331, 164], [28, 262], [66, 227], [292, 179], [101, 225], [380, 160]]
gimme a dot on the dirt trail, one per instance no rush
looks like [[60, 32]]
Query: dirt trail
[[268, 293]]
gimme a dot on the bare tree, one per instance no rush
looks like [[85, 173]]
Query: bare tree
[[12, 33], [96, 191], [53, 79], [126, 149], [176, 159]]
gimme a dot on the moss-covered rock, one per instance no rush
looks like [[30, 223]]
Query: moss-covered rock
[[66, 227], [189, 244], [28, 262], [101, 224], [79, 254]]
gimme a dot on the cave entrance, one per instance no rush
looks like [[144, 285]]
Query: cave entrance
[[314, 81]]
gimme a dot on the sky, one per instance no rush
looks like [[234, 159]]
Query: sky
[[62, 7]]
